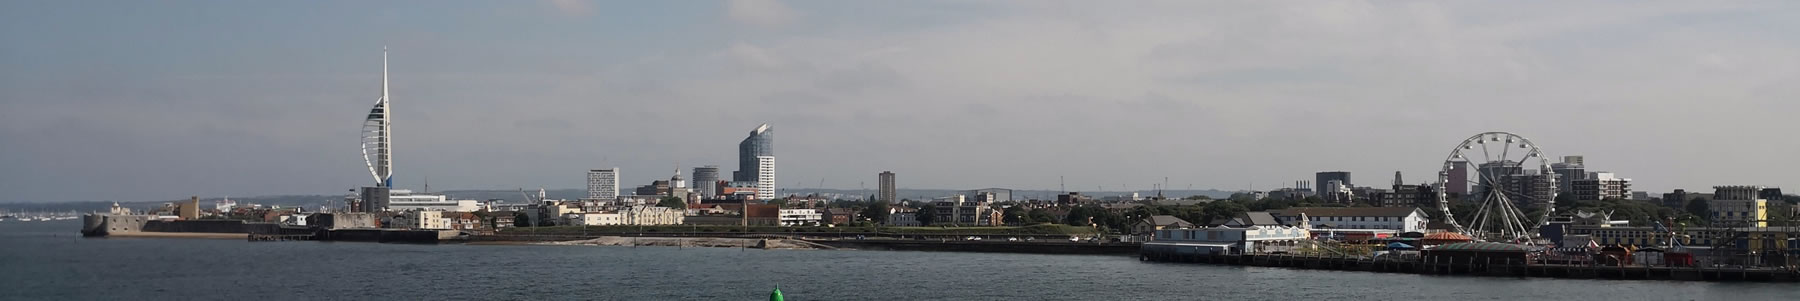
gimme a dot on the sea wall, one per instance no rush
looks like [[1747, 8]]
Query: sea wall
[[390, 235], [103, 225], [983, 246]]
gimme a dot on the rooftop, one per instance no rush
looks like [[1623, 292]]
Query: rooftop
[[1346, 211]]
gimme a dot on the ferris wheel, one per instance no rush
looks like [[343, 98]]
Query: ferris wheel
[[1500, 185]]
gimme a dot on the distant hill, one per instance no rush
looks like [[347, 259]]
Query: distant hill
[[513, 196]]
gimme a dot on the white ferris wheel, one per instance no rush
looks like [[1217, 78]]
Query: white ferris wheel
[[1493, 168]]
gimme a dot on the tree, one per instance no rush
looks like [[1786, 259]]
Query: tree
[[520, 219], [1015, 215], [1222, 210], [877, 212], [927, 215], [1700, 208], [672, 202], [1041, 216]]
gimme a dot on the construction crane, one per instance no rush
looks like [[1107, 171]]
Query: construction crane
[[527, 196]]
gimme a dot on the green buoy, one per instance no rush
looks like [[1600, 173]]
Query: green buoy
[[775, 295]]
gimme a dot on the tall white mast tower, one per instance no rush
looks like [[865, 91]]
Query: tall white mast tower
[[377, 134]]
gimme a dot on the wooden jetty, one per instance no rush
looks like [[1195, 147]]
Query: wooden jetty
[[1444, 266]]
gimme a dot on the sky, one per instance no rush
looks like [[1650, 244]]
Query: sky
[[157, 100]]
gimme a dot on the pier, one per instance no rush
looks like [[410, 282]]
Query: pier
[[1437, 265]]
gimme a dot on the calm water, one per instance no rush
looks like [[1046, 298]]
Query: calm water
[[49, 261]]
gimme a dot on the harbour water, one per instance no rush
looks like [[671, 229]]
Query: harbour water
[[50, 261]]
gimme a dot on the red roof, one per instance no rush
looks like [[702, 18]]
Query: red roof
[[1447, 236]]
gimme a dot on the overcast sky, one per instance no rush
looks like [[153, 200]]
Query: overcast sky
[[155, 100]]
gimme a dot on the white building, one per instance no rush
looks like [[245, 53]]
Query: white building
[[1231, 240], [651, 215], [801, 217], [1403, 219], [903, 218], [1599, 186], [294, 219], [405, 200], [765, 177], [1739, 206], [603, 184], [593, 219], [634, 216], [419, 219]]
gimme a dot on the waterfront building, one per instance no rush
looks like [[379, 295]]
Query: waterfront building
[[756, 161], [1599, 186], [885, 189], [903, 217], [406, 200], [1324, 178], [1402, 219], [839, 216], [418, 219], [1153, 223], [800, 217], [958, 211], [1247, 219], [761, 214], [651, 215], [464, 221], [1739, 206], [1756, 239], [1223, 240], [629, 216], [603, 184], [706, 179], [593, 219]]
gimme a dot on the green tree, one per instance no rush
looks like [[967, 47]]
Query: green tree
[[521, 219], [671, 202], [1221, 210], [1041, 215], [1015, 215], [877, 212], [1700, 208], [927, 215]]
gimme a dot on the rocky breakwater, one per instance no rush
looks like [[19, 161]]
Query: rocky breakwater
[[705, 242]]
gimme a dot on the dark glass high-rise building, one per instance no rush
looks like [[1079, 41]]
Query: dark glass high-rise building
[[756, 161], [1325, 177], [760, 143]]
